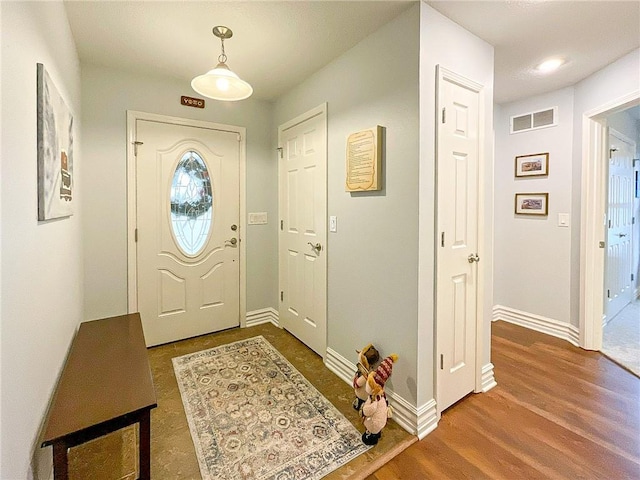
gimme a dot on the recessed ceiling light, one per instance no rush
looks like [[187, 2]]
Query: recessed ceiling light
[[550, 65]]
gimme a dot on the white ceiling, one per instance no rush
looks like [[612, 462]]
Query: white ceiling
[[276, 45]]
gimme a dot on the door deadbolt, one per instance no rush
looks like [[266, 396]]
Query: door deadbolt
[[234, 227]]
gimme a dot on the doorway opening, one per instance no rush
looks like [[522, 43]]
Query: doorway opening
[[621, 324], [594, 231]]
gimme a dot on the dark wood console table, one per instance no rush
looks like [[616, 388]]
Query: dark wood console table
[[105, 385]]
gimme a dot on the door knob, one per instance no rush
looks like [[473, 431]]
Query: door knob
[[233, 241], [473, 258], [317, 247]]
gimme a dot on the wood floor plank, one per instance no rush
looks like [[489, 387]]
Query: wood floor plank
[[558, 412]]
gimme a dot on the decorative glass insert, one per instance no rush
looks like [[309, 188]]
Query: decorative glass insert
[[191, 203]]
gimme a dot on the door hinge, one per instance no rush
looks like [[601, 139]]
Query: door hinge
[[135, 147], [135, 235], [281, 224], [444, 115], [441, 361], [609, 223], [632, 277], [442, 239], [281, 151], [611, 150], [608, 293], [281, 296], [633, 220]]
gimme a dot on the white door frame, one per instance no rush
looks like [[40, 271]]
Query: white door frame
[[593, 214], [132, 261], [441, 74]]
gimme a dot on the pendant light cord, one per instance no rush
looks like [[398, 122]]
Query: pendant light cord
[[222, 58]]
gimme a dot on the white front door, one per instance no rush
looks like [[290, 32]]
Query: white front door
[[619, 259], [303, 219], [187, 220], [457, 237]]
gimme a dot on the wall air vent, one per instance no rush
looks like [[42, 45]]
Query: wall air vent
[[534, 120]]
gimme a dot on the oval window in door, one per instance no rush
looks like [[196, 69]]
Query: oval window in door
[[191, 204]]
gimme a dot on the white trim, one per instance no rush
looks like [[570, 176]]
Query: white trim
[[592, 225], [488, 379], [339, 365], [427, 418], [541, 324], [264, 315], [442, 74], [132, 117]]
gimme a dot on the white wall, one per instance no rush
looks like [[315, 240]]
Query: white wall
[[533, 254], [107, 94], [372, 259], [445, 43], [41, 261]]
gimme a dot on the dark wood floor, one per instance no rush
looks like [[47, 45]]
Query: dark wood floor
[[558, 412]]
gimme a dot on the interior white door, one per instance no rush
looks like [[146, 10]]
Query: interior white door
[[457, 248], [619, 259], [187, 194], [303, 214]]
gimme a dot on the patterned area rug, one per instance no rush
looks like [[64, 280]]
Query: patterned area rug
[[252, 415]]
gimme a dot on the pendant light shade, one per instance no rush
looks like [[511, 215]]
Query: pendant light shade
[[221, 83]]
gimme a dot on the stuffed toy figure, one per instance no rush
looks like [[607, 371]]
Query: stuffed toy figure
[[376, 410], [367, 359]]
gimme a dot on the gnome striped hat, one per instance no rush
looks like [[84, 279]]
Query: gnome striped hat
[[383, 372]]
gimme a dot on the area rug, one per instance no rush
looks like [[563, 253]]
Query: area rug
[[252, 415]]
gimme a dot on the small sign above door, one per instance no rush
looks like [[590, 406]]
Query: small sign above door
[[192, 102]]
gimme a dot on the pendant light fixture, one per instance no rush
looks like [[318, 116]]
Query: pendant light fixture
[[221, 83]]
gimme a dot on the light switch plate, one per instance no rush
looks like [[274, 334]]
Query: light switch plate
[[258, 218], [563, 219], [333, 223]]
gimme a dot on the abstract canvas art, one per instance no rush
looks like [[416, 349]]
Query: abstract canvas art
[[55, 150]]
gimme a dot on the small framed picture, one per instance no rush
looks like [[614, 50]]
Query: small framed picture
[[534, 165], [532, 203]]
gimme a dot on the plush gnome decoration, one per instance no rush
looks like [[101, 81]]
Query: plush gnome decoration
[[376, 410], [367, 359]]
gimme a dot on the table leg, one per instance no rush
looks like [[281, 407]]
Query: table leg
[[145, 445], [60, 464]]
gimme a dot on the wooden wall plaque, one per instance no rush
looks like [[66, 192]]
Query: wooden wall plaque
[[364, 160], [192, 102]]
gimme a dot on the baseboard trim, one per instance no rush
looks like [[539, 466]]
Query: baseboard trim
[[427, 418], [488, 380], [417, 421], [264, 315], [541, 324], [339, 365]]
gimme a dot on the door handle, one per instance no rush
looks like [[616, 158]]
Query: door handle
[[317, 247], [473, 258], [233, 241], [620, 235]]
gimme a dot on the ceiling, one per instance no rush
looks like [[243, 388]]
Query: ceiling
[[276, 45]]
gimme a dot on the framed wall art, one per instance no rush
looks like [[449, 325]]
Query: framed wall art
[[55, 150], [534, 165], [364, 160], [532, 204]]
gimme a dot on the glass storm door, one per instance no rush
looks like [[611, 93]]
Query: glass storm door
[[187, 220]]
